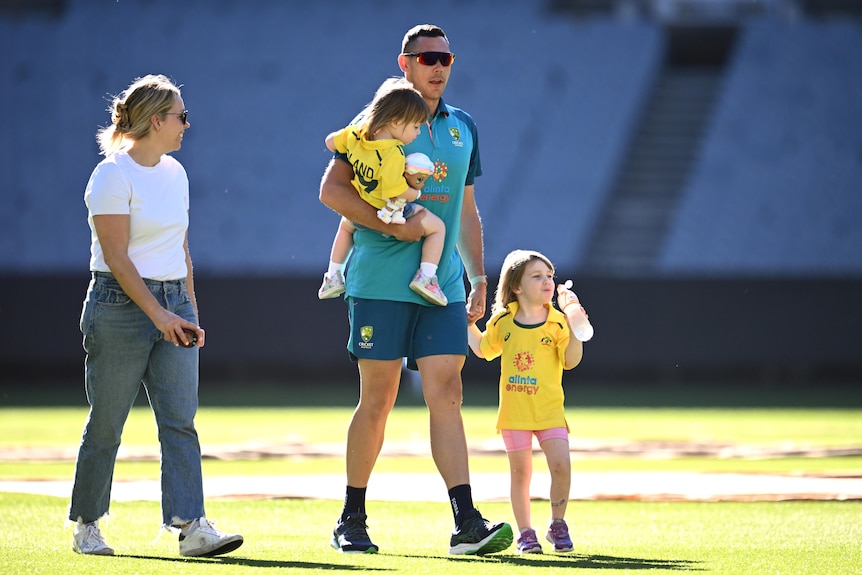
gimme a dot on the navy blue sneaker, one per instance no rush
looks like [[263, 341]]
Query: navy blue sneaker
[[479, 537], [351, 535]]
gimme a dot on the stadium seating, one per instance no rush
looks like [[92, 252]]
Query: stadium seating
[[265, 81], [556, 101], [777, 190]]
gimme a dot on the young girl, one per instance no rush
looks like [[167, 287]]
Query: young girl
[[535, 344], [384, 179]]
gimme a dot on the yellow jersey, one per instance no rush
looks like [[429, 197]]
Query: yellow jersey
[[531, 368], [378, 165]]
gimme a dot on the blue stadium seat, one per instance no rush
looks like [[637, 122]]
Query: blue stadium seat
[[556, 102], [777, 190]]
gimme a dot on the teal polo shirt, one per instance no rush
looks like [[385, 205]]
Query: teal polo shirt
[[381, 267]]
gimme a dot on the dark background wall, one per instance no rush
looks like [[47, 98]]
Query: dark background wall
[[695, 167], [801, 331]]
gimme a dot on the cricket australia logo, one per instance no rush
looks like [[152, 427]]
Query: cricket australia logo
[[366, 332], [456, 137]]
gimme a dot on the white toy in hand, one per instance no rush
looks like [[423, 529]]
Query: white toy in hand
[[581, 326]]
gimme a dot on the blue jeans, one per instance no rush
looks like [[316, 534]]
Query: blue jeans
[[125, 349]]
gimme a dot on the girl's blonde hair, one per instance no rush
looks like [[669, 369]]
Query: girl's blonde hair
[[395, 100], [131, 111], [511, 275]]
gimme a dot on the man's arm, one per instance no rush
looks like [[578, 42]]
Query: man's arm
[[338, 194], [470, 246]]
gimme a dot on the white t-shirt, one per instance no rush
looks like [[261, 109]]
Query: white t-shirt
[[157, 201]]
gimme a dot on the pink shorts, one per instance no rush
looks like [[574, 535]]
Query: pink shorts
[[520, 439]]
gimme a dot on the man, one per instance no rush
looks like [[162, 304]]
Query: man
[[388, 321]]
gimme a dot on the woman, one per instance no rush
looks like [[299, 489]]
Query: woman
[[140, 317]]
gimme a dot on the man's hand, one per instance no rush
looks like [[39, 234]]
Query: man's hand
[[410, 231], [476, 302]]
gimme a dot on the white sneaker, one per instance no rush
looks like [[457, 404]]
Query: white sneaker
[[398, 217], [88, 540], [391, 214], [202, 539], [332, 286], [384, 215], [427, 287]]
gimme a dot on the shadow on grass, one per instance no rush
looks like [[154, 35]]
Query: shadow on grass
[[575, 561], [263, 563]]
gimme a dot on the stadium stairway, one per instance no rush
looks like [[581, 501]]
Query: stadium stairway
[[664, 150]]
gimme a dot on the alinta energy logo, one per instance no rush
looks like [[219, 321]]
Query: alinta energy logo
[[523, 361], [523, 383], [434, 191], [441, 170]]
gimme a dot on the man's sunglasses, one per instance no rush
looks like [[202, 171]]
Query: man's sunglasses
[[184, 115], [431, 58]]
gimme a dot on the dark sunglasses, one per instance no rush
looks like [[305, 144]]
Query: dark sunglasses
[[184, 115], [431, 58]]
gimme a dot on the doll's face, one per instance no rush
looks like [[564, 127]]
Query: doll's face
[[416, 181]]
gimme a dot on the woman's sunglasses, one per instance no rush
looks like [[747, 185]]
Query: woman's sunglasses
[[184, 115], [431, 58]]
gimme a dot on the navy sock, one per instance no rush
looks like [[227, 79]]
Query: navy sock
[[461, 498], [354, 501]]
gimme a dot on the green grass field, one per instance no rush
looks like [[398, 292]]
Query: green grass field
[[610, 536], [819, 538], [775, 431]]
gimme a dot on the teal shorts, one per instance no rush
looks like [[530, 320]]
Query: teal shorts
[[385, 330]]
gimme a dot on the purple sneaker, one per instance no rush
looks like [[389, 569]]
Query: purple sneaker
[[558, 534], [528, 542]]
